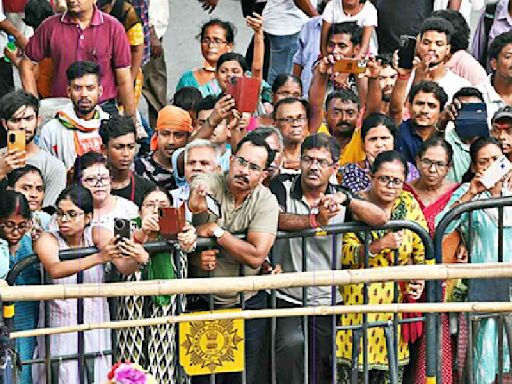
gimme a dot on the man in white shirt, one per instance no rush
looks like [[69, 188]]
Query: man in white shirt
[[497, 90], [283, 20]]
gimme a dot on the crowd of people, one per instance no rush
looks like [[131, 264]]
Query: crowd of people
[[342, 129]]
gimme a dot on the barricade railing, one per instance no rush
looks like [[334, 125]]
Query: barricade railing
[[335, 230], [498, 205]]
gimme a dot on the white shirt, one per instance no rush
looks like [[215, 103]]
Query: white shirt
[[159, 16], [283, 17], [492, 99], [367, 17], [450, 82], [124, 209], [466, 7]]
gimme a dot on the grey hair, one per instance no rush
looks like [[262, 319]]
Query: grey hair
[[203, 143], [266, 130]]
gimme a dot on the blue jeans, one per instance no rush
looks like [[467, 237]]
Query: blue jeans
[[282, 49]]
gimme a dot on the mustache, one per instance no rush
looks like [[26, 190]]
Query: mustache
[[242, 178]]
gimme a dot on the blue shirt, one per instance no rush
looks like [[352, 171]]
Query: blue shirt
[[409, 142], [308, 49]]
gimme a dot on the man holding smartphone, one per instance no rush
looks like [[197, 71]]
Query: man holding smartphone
[[19, 111], [245, 206]]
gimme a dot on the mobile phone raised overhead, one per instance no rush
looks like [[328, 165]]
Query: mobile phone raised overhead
[[471, 121], [496, 172], [354, 66], [406, 51]]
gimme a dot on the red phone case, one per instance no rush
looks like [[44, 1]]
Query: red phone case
[[246, 92], [172, 221]]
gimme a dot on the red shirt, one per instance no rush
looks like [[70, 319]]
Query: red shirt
[[103, 42]]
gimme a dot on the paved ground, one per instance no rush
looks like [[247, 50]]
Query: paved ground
[[182, 49]]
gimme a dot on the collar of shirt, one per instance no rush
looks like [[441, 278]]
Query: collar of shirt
[[296, 189], [97, 18], [502, 13], [410, 130], [453, 137]]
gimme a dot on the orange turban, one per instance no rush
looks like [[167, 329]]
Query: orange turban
[[174, 118]]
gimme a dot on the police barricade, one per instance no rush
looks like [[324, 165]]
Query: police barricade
[[391, 327], [481, 226]]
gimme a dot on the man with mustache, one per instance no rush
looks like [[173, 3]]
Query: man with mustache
[[244, 205], [309, 200], [173, 129], [74, 131]]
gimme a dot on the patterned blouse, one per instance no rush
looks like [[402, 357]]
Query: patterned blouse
[[355, 179]]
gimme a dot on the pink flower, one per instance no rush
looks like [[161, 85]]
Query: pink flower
[[127, 374]]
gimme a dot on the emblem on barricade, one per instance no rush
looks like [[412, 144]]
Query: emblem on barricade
[[209, 347]]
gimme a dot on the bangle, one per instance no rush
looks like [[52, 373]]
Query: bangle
[[312, 221], [404, 77]]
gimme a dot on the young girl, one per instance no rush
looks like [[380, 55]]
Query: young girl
[[151, 346], [74, 214], [15, 223], [362, 12]]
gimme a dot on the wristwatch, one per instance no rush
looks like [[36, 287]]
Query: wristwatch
[[348, 199], [218, 232]]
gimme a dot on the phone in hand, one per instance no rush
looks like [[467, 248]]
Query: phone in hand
[[406, 51], [122, 229], [471, 121], [496, 172], [213, 205], [16, 141], [353, 66], [246, 93], [171, 221]]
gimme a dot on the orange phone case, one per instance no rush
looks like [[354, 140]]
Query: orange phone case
[[16, 140], [350, 66], [172, 221]]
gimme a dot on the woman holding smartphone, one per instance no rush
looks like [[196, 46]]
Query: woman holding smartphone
[[152, 346], [74, 215], [482, 240]]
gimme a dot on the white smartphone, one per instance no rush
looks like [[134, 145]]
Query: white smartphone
[[213, 205], [496, 171]]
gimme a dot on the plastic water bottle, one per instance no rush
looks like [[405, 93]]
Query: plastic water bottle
[[11, 46]]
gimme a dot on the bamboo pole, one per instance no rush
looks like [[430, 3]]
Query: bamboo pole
[[267, 313], [256, 283]]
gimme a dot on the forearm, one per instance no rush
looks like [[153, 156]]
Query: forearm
[[137, 56], [10, 29], [126, 265], [28, 78], [396, 105], [67, 268], [242, 251], [258, 55], [126, 96], [365, 41], [323, 37], [293, 222], [297, 70], [306, 7], [316, 96], [373, 97], [367, 212], [455, 4], [205, 131]]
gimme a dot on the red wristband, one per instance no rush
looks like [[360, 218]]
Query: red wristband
[[312, 221]]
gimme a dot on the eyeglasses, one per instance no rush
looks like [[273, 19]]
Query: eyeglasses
[[292, 120], [244, 163], [427, 163], [392, 182], [69, 216], [156, 204], [94, 181], [309, 161], [208, 41], [11, 226]]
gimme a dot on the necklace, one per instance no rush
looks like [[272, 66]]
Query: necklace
[[355, 11]]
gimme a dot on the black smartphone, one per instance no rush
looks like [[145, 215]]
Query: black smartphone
[[122, 228], [471, 121], [406, 51]]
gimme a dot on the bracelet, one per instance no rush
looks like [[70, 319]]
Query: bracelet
[[312, 221]]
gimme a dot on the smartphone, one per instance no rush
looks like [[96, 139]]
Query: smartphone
[[16, 141], [406, 51], [122, 228], [471, 121], [350, 66], [496, 171], [246, 93], [171, 221], [213, 205]]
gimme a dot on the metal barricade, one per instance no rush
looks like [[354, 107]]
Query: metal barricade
[[336, 231], [474, 319]]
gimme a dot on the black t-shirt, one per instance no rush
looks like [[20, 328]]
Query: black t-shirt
[[135, 192], [400, 17]]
